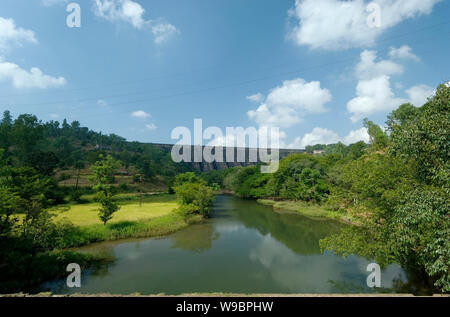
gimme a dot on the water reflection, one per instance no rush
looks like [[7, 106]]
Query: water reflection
[[197, 238], [244, 248], [300, 234]]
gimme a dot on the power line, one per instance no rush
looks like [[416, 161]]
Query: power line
[[174, 75], [203, 89]]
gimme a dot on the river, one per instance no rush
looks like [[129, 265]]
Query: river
[[244, 248]]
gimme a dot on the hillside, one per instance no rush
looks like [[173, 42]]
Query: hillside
[[68, 150]]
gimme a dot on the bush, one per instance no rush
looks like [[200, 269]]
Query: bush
[[75, 196], [194, 196]]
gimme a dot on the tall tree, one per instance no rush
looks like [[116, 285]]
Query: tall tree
[[103, 176]]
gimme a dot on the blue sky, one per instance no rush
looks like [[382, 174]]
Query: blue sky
[[314, 68]]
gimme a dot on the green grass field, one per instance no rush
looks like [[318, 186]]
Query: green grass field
[[87, 214], [156, 217]]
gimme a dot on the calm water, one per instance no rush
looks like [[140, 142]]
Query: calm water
[[244, 248]]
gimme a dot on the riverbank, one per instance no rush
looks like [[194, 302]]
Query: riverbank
[[78, 225], [146, 217], [309, 210]]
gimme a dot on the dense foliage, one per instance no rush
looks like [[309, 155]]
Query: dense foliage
[[103, 176], [397, 188], [194, 196]]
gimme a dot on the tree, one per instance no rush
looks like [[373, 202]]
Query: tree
[[5, 129], [78, 165], [378, 138], [26, 132], [420, 233], [424, 139], [43, 162], [402, 195], [103, 175], [194, 196], [401, 116]]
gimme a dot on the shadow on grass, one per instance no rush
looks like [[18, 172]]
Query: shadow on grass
[[122, 225]]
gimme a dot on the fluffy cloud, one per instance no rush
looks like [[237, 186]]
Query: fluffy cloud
[[325, 136], [120, 10], [419, 94], [368, 67], [286, 104], [11, 35], [373, 95], [356, 135], [131, 12], [140, 114], [317, 136], [337, 24], [403, 52], [34, 78], [374, 92]]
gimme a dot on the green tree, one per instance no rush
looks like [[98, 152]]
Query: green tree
[[103, 175], [194, 196], [424, 139], [378, 138], [79, 165]]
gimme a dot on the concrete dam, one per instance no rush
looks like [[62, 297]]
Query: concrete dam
[[231, 156]]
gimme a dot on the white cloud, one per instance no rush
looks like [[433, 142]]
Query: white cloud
[[163, 32], [337, 24], [259, 97], [34, 78], [418, 95], [120, 10], [372, 96], [151, 127], [274, 115], [325, 136], [286, 104], [11, 35], [140, 114], [374, 92], [369, 68], [54, 115], [403, 52], [356, 135], [318, 136], [131, 12]]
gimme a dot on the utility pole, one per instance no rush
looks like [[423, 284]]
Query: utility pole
[[140, 196]]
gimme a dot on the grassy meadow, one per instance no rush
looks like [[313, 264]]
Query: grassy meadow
[[153, 206], [155, 217]]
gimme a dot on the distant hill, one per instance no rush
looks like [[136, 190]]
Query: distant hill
[[65, 150]]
